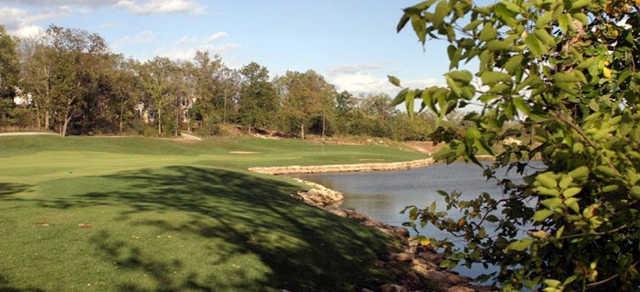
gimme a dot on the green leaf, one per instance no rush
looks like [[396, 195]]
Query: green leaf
[[635, 192], [442, 9], [572, 203], [547, 191], [563, 21], [570, 192], [568, 77], [545, 37], [424, 5], [520, 245], [454, 57], [472, 25], [514, 64], [547, 180], [400, 98], [419, 27], [580, 174], [491, 78], [403, 22], [511, 6], [521, 105], [544, 19], [496, 45], [578, 4], [409, 99], [606, 171], [552, 282], [541, 215], [565, 181], [534, 45], [453, 85], [488, 33], [506, 15], [485, 58], [463, 76], [552, 203], [394, 80]]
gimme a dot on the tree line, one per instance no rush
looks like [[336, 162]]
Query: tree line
[[69, 81]]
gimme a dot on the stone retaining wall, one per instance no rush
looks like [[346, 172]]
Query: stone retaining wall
[[362, 167]]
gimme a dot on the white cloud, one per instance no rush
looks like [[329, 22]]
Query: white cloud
[[135, 6], [352, 69], [161, 6], [216, 36], [143, 37], [24, 24], [28, 32], [186, 47], [365, 83], [91, 3]]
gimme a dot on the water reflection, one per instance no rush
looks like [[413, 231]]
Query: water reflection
[[383, 195]]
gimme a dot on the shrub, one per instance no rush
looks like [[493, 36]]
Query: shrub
[[565, 73]]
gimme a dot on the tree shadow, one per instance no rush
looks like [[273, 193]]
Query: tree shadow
[[304, 248], [7, 189], [4, 286]]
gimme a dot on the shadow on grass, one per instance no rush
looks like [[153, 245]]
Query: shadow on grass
[[4, 286], [7, 189], [302, 248]]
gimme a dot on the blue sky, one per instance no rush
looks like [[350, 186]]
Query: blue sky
[[352, 42]]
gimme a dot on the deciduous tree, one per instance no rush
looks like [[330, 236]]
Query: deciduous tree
[[566, 73]]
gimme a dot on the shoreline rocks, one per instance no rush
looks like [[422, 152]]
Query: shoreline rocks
[[416, 265], [336, 168]]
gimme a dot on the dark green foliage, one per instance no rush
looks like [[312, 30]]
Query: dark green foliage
[[9, 71], [257, 100], [308, 101], [77, 86], [564, 73]]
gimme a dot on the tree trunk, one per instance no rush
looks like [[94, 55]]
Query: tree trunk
[[121, 125], [324, 124], [46, 120], [159, 122], [224, 109], [302, 131], [63, 130], [177, 130], [38, 119]]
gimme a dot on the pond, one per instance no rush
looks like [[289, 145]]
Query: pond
[[383, 195]]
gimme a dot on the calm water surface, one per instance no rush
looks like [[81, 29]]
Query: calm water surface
[[383, 195]]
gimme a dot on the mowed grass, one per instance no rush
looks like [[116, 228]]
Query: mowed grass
[[142, 214]]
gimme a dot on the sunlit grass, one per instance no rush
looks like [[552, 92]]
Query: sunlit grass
[[133, 214]]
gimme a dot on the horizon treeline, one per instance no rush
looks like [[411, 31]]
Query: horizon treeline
[[69, 81]]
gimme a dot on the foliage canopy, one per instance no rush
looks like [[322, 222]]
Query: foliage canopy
[[566, 73]]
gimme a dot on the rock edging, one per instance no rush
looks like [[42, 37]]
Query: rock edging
[[417, 265], [361, 167]]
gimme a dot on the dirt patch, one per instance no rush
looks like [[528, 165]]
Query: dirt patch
[[27, 134], [243, 152], [426, 147], [187, 136]]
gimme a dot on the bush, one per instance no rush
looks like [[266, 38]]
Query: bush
[[565, 73], [209, 128]]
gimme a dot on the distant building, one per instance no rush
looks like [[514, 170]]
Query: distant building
[[21, 98]]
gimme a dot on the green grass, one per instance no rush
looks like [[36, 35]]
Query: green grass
[[167, 215]]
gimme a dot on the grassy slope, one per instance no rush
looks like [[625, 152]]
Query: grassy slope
[[175, 216]]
